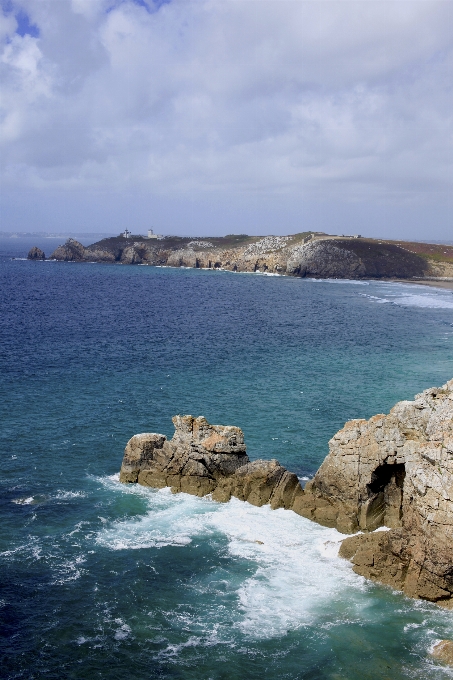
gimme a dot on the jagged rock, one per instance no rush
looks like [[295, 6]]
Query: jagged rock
[[36, 254], [394, 470], [192, 461], [71, 251], [259, 483], [443, 651], [203, 458]]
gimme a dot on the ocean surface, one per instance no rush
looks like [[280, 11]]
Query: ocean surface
[[103, 580]]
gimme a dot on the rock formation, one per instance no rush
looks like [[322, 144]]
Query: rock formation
[[443, 651], [36, 254], [354, 259], [203, 458], [307, 254], [71, 251], [396, 471], [393, 471]]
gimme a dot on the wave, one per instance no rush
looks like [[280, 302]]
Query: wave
[[408, 297], [296, 563]]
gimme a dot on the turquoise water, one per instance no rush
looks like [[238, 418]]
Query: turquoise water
[[102, 580]]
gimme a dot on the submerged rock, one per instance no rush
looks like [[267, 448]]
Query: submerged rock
[[36, 254]]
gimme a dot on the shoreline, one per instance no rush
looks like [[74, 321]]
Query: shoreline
[[445, 284]]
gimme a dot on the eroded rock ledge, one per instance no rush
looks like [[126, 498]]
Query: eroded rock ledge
[[393, 471]]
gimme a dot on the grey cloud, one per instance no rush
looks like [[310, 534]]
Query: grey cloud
[[341, 102]]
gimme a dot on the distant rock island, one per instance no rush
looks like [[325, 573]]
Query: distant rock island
[[393, 471], [311, 254]]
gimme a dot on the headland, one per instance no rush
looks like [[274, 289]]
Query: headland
[[307, 254]]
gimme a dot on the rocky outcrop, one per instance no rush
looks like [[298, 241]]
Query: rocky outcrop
[[393, 471], [36, 254], [396, 471], [203, 458], [443, 651], [71, 251]]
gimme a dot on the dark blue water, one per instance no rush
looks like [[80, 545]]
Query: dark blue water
[[103, 580]]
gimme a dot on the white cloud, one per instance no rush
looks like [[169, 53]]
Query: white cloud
[[342, 101]]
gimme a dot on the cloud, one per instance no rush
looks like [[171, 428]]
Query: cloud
[[342, 101]]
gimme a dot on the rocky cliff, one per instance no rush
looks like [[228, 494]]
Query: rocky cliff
[[393, 471], [297, 255]]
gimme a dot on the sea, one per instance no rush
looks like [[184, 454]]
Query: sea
[[112, 581]]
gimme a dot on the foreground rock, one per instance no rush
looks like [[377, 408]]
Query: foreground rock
[[393, 471], [203, 458], [396, 471], [36, 254], [443, 651]]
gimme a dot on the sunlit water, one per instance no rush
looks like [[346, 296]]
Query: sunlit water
[[103, 580]]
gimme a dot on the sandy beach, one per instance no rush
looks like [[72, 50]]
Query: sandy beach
[[448, 284]]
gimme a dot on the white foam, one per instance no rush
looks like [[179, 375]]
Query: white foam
[[69, 570], [68, 495], [172, 520], [375, 298], [123, 630], [405, 295], [23, 501], [432, 301], [339, 281], [297, 568]]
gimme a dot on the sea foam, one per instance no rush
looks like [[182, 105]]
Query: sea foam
[[296, 572]]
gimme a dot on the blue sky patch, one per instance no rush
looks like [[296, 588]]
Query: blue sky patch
[[24, 27]]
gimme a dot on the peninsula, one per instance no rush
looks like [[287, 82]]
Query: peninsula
[[311, 254]]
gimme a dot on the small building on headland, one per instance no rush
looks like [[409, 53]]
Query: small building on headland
[[151, 234]]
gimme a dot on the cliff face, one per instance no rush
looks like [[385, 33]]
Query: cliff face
[[396, 471], [292, 255], [393, 471]]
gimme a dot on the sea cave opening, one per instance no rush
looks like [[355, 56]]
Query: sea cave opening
[[385, 497]]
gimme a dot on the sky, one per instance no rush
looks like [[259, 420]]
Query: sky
[[212, 117]]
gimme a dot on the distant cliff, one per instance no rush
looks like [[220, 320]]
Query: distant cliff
[[306, 254]]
